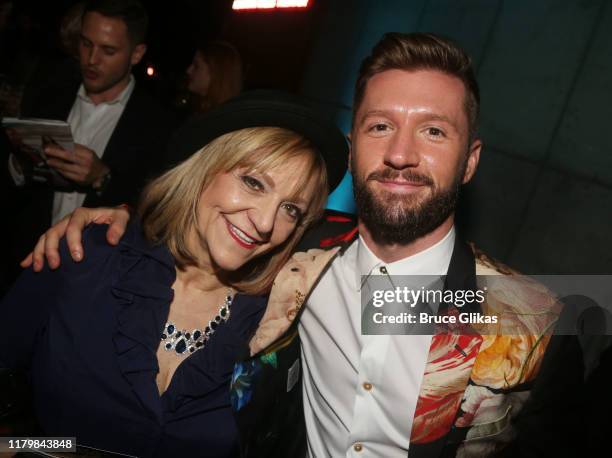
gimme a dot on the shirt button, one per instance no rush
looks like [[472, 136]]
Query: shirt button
[[358, 447], [367, 386]]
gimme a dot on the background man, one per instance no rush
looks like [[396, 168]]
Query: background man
[[120, 132]]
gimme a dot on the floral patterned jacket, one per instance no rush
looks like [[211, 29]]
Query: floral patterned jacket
[[473, 387]]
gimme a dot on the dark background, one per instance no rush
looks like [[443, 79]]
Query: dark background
[[275, 44], [542, 198]]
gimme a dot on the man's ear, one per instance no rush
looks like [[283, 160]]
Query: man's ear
[[472, 160], [137, 53]]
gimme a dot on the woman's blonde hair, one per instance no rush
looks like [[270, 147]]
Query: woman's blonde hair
[[168, 205]]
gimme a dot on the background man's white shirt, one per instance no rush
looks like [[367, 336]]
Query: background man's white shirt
[[360, 392], [92, 126]]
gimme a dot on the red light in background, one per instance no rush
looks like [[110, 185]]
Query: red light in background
[[268, 4], [150, 71]]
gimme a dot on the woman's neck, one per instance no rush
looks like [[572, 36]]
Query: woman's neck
[[202, 279]]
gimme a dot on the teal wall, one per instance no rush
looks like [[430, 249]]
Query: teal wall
[[542, 198]]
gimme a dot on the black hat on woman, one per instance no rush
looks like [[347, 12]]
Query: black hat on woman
[[266, 109]]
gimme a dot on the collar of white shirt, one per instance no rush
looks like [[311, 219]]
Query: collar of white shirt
[[432, 261], [122, 98]]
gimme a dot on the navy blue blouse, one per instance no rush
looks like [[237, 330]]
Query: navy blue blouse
[[89, 334]]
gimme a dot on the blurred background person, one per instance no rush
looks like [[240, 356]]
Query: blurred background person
[[214, 76], [120, 132]]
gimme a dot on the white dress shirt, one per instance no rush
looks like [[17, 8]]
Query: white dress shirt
[[92, 126], [360, 391]]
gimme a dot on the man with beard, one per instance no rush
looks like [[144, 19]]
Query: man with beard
[[414, 143], [119, 131]]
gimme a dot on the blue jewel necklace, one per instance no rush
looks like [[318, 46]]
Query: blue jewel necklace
[[183, 342]]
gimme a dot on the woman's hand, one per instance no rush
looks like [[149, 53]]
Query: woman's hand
[[72, 226]]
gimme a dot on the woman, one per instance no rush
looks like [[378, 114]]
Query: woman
[[132, 349], [214, 76]]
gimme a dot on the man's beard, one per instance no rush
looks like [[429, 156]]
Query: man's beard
[[402, 218]]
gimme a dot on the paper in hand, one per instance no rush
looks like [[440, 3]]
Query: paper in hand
[[29, 136]]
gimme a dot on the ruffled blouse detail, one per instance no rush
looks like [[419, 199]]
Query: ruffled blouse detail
[[143, 292]]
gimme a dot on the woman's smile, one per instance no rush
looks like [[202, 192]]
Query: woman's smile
[[241, 238]]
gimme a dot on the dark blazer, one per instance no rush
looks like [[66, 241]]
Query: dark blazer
[[135, 152]]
